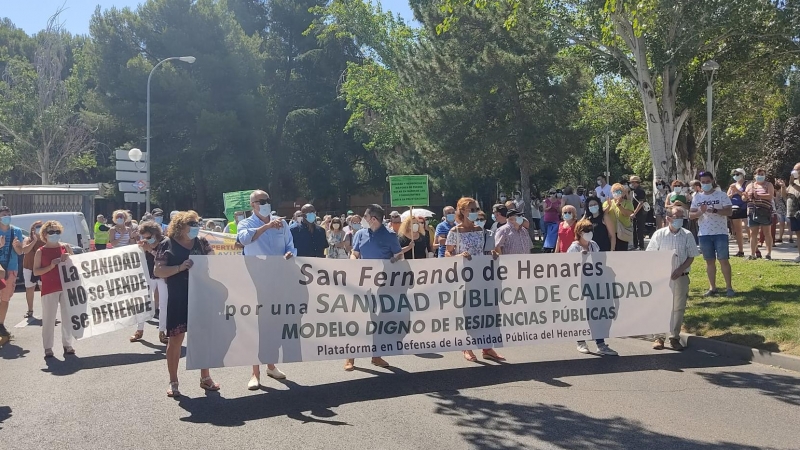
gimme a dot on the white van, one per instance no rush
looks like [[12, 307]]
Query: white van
[[76, 230]]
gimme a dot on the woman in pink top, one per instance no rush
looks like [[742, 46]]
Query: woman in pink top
[[552, 206], [566, 229]]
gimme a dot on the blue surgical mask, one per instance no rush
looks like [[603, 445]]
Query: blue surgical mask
[[760, 178], [677, 224], [38, 231], [594, 209], [677, 189], [193, 232], [737, 178], [53, 238], [519, 220], [6, 220], [265, 210], [567, 216], [617, 193], [151, 241], [311, 217], [355, 226], [480, 223], [159, 220], [473, 216], [451, 218], [707, 187], [494, 218], [119, 221]]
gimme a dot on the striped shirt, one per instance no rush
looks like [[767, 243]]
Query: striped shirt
[[682, 243]]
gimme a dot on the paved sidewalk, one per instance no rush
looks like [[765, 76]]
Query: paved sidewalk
[[782, 252]]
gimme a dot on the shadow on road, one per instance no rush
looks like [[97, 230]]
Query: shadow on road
[[73, 364], [297, 399], [490, 425], [11, 351], [779, 387], [5, 413]]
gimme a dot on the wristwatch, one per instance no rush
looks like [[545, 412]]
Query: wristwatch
[[714, 209]]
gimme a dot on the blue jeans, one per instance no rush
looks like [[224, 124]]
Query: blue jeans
[[715, 247]]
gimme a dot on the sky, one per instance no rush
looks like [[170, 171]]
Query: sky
[[32, 15]]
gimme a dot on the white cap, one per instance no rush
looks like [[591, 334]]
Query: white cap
[[172, 214], [741, 171]]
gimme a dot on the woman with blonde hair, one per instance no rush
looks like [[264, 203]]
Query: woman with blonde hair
[[120, 234], [45, 264], [149, 239], [566, 229], [338, 246], [619, 209], [759, 196], [413, 238], [173, 264], [466, 239]]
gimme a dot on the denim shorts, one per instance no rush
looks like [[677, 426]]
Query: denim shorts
[[714, 247]]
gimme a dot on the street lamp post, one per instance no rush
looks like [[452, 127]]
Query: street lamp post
[[186, 59], [711, 67]]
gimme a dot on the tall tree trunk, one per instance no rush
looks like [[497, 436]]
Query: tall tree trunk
[[200, 189], [525, 188], [685, 153]]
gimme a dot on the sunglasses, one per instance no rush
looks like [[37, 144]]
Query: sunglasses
[[261, 201], [193, 224], [53, 232]]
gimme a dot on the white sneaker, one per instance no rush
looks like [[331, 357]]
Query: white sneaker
[[254, 383], [582, 347], [276, 373], [605, 350]]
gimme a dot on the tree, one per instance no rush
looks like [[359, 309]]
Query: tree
[[661, 44], [41, 119]]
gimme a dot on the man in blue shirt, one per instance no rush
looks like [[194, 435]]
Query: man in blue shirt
[[448, 222], [10, 248], [309, 238], [261, 234], [375, 242]]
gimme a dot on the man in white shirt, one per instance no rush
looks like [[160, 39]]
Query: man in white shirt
[[680, 240], [603, 189], [712, 207]]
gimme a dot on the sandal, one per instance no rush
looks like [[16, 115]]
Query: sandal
[[162, 337], [492, 355], [137, 336], [173, 389], [469, 356], [28, 315], [48, 353], [208, 384], [69, 351]]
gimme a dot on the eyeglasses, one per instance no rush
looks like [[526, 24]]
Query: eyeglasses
[[261, 201]]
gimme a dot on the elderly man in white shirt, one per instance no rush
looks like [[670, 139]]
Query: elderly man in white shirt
[[681, 241]]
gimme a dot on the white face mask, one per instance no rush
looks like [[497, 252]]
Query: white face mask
[[519, 220], [335, 226], [415, 227], [588, 236], [796, 173], [265, 210]]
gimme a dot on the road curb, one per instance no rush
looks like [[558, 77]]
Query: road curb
[[741, 352]]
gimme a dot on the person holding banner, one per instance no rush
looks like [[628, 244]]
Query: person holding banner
[[467, 240], [583, 243], [47, 258], [512, 239], [375, 242], [173, 264], [149, 239], [264, 235], [679, 240]]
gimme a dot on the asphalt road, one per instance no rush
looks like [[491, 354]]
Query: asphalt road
[[112, 396]]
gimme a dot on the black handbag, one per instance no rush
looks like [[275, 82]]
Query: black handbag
[[761, 215]]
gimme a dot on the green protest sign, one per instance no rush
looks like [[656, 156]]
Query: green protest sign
[[236, 201], [409, 190]]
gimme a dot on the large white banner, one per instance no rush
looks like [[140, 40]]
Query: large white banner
[[248, 310], [106, 290]]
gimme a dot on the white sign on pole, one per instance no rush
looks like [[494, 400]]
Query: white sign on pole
[[129, 176], [127, 187], [135, 198], [131, 166], [122, 155], [259, 311]]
